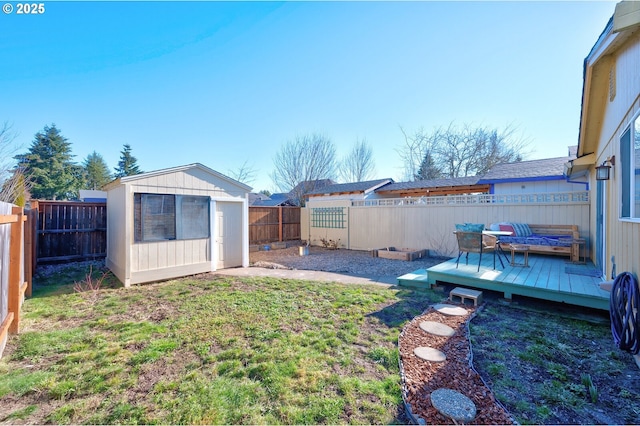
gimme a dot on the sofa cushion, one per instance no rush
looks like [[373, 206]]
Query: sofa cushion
[[475, 227], [508, 228], [522, 229], [470, 227]]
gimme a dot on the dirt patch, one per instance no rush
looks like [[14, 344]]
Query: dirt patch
[[352, 262]]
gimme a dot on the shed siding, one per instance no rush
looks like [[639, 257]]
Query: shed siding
[[117, 244], [138, 262], [150, 256]]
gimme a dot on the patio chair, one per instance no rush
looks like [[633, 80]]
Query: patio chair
[[475, 242]]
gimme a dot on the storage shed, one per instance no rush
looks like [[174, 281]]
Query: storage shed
[[176, 222]]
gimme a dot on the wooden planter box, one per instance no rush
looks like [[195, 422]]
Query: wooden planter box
[[399, 253]]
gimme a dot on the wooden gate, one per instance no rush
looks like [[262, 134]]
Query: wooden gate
[[268, 224]]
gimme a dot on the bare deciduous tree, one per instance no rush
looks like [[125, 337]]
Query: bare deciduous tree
[[358, 165], [13, 184], [303, 161], [246, 173], [460, 151], [416, 148]]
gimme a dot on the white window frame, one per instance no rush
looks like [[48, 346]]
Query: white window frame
[[180, 232], [633, 191]]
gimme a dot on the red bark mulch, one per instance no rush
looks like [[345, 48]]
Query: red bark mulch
[[420, 377]]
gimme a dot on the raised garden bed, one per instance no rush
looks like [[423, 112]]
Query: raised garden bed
[[399, 253], [268, 246]]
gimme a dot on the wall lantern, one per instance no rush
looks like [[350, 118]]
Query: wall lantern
[[603, 170]]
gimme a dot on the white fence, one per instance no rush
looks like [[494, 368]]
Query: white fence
[[428, 222], [548, 197]]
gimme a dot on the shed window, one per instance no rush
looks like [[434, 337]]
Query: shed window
[[630, 171], [159, 217]]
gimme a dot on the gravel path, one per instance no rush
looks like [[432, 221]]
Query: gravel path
[[340, 261]]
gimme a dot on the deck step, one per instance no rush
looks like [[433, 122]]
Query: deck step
[[415, 279]]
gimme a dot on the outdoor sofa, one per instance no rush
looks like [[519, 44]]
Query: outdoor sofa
[[561, 240]]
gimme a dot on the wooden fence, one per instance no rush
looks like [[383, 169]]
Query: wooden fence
[[70, 230], [15, 271], [268, 224]]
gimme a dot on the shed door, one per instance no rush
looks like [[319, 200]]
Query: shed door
[[229, 234]]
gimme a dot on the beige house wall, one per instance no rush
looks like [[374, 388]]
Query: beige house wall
[[621, 237]]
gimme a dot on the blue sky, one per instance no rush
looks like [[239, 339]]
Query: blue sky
[[222, 83]]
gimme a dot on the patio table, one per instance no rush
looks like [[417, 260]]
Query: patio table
[[498, 234]]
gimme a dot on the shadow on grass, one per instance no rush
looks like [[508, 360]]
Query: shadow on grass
[[412, 303], [54, 280]]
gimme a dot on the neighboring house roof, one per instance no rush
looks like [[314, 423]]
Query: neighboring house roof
[[298, 193], [545, 169], [308, 186], [198, 166], [92, 195], [275, 200], [461, 185], [350, 188], [257, 197]]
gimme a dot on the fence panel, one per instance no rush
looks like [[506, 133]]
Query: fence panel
[[12, 270], [70, 230], [267, 224], [428, 223]]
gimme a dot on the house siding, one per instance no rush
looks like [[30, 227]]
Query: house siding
[[622, 238], [537, 187]]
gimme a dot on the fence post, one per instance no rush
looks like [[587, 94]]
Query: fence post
[[16, 289], [29, 236], [280, 223]]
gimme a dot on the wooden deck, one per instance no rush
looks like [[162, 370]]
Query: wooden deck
[[546, 278]]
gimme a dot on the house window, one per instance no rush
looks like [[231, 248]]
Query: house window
[[630, 171], [159, 217], [328, 217]]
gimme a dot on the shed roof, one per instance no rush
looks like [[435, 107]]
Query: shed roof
[[198, 166], [354, 187]]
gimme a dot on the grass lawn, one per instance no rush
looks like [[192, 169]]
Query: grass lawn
[[207, 350]]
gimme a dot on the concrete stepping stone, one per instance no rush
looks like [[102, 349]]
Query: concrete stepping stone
[[430, 354], [437, 328], [454, 405], [450, 310]]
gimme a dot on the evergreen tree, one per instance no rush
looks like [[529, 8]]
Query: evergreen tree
[[128, 164], [428, 169], [96, 171], [49, 167]]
